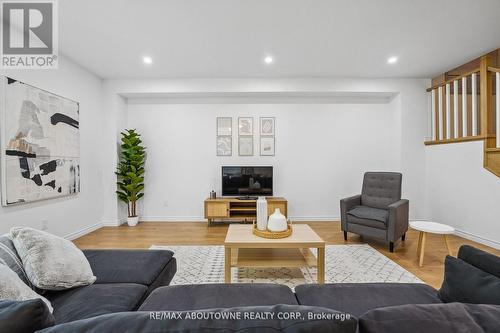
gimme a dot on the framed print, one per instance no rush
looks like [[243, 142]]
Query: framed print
[[267, 146], [40, 143], [267, 126], [224, 126], [224, 145], [245, 146], [245, 126]]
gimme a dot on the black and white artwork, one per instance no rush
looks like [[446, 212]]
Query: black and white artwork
[[245, 146], [40, 144], [245, 126], [267, 126]]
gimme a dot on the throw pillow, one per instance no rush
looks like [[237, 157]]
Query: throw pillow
[[51, 262], [9, 257], [468, 284], [12, 288], [485, 261], [24, 316]]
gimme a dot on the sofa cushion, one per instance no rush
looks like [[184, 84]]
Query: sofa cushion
[[432, 318], [468, 284], [208, 296], [127, 266], [358, 298], [240, 319], [24, 316], [380, 189], [95, 300], [370, 213], [10, 257], [51, 262], [485, 261]]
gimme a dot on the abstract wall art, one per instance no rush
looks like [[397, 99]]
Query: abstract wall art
[[224, 145], [245, 126], [245, 146], [267, 146], [267, 126], [40, 143]]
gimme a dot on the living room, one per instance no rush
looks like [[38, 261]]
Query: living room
[[250, 157]]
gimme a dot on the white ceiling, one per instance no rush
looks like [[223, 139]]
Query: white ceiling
[[307, 38]]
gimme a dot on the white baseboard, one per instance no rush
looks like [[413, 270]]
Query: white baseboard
[[83, 232], [315, 218], [112, 223], [478, 239], [172, 219]]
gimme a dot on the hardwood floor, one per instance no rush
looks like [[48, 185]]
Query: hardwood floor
[[195, 233]]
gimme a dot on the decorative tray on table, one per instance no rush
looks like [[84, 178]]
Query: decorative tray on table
[[271, 234]]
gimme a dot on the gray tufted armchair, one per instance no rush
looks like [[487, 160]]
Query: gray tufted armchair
[[379, 211]]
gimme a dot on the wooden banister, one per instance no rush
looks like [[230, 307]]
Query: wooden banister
[[458, 77], [474, 112]]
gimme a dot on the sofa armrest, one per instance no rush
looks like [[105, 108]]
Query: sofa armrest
[[346, 205], [128, 266], [398, 219]]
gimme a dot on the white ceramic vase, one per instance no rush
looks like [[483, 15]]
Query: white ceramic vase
[[277, 221], [132, 221], [262, 213]]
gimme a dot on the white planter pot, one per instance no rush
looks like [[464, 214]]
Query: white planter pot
[[132, 221], [277, 221]]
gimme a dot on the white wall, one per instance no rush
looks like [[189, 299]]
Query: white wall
[[461, 193], [322, 152], [68, 216], [410, 104]]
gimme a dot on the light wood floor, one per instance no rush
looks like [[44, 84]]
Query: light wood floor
[[195, 233]]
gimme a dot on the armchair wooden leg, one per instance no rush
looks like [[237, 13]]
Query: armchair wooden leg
[[391, 247], [403, 237], [345, 235]]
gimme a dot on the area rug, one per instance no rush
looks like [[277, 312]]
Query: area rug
[[344, 264]]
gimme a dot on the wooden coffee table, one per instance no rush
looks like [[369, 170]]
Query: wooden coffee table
[[244, 249]]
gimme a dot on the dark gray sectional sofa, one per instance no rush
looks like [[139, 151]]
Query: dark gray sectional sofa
[[125, 278], [128, 296]]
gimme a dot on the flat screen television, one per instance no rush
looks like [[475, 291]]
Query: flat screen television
[[245, 181]]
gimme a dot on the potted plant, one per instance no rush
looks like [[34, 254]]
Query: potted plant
[[130, 172]]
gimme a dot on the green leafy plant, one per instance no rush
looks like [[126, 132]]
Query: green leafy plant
[[130, 170]]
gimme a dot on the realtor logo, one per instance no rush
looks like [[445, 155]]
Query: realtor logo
[[29, 34]]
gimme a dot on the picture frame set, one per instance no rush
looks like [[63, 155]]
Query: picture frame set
[[245, 136]]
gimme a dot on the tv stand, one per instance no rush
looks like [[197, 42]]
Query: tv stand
[[247, 197], [227, 209]]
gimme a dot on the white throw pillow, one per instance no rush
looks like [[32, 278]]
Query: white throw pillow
[[13, 288], [51, 262]]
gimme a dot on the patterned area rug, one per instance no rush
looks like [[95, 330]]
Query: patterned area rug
[[344, 263]]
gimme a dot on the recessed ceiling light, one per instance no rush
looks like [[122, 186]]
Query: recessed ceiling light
[[268, 60], [147, 60], [392, 60]]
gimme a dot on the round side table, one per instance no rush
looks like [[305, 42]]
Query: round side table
[[433, 228]]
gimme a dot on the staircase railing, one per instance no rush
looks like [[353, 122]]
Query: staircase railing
[[496, 82], [467, 108], [454, 109]]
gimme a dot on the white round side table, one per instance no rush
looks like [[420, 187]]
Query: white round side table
[[433, 228]]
